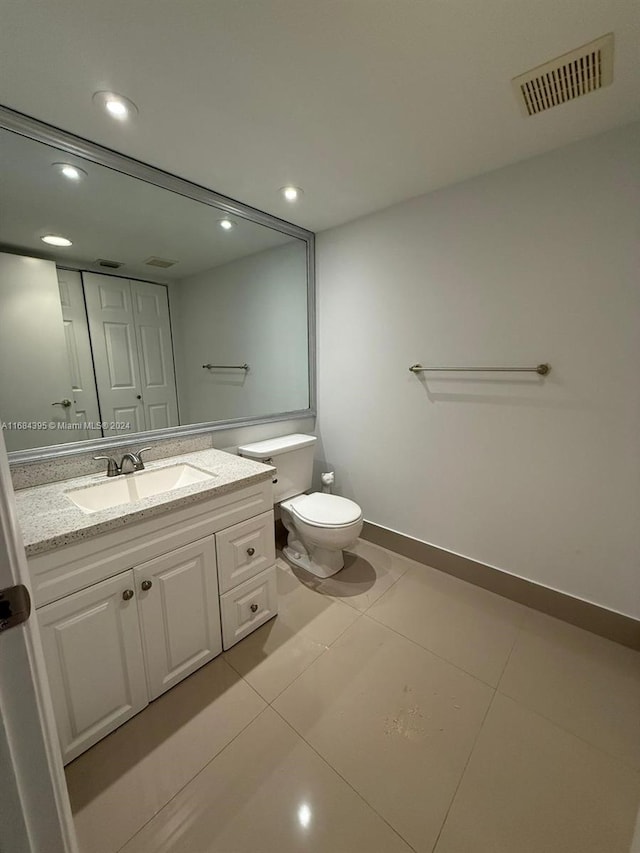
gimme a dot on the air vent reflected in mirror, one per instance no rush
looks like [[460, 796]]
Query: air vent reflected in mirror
[[163, 263]]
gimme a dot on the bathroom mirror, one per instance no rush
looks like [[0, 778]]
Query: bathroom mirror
[[173, 309]]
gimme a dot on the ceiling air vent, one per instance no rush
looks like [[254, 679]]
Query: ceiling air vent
[[112, 265], [163, 263], [576, 73]]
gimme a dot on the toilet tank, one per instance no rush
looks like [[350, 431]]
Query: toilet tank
[[292, 456]]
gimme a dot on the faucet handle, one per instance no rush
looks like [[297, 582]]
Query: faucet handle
[[113, 469], [139, 455]]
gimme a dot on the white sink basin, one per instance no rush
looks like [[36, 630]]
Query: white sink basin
[[128, 488]]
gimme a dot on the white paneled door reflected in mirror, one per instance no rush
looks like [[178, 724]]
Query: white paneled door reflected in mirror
[[126, 307]]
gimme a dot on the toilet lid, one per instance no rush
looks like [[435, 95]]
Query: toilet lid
[[326, 510]]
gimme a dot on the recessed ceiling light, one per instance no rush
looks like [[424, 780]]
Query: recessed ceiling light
[[117, 106], [227, 224], [73, 173], [291, 193], [55, 240]]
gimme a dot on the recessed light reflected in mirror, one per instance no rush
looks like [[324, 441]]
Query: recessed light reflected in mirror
[[304, 816], [68, 170], [56, 240], [226, 224], [117, 106], [291, 193]]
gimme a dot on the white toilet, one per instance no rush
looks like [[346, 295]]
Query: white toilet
[[320, 525]]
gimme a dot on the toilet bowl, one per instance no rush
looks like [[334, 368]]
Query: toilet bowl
[[319, 525]]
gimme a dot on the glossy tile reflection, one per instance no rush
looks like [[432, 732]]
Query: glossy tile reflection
[[268, 791], [389, 708], [394, 720], [121, 782]]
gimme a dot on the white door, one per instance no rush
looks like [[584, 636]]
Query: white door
[[35, 816], [155, 353], [76, 331], [32, 341], [180, 614], [115, 352], [93, 653]]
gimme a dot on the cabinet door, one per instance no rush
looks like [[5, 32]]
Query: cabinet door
[[93, 652], [155, 353], [115, 351], [180, 614], [76, 333]]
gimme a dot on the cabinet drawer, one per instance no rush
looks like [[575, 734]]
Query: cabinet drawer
[[245, 550], [247, 606]]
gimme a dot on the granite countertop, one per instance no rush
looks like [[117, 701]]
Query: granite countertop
[[49, 519]]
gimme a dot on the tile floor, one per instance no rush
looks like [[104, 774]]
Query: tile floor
[[388, 709]]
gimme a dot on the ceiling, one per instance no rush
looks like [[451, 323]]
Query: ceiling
[[362, 103], [114, 216]]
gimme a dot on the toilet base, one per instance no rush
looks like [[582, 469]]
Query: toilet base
[[319, 562]]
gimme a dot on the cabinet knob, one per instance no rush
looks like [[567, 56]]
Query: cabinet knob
[[127, 594], [254, 608], [146, 585], [251, 551]]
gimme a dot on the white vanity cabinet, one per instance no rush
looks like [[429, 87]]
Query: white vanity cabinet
[[246, 554], [179, 613], [128, 613], [93, 651]]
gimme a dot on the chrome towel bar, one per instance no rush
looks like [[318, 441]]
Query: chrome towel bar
[[542, 369], [244, 366]]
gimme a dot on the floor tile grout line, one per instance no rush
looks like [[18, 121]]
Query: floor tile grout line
[[346, 781], [204, 767], [464, 770], [430, 651], [310, 664], [510, 655], [398, 633], [558, 725], [616, 759], [342, 600]]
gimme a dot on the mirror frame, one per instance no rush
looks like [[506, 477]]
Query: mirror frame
[[71, 144]]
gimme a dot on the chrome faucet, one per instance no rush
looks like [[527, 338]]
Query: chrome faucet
[[135, 460], [113, 469], [129, 463]]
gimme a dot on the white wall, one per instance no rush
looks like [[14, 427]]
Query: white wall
[[252, 310], [535, 262]]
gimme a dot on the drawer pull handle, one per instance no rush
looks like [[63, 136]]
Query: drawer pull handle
[[251, 551], [254, 608], [127, 594], [146, 585]]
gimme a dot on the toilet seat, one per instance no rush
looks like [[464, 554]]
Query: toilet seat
[[323, 510]]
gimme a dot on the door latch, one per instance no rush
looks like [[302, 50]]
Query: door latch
[[15, 606]]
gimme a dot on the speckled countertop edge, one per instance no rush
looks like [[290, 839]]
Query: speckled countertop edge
[[48, 519]]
